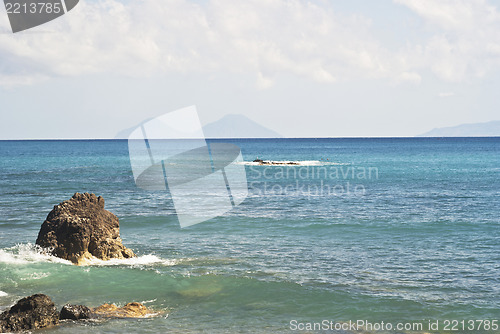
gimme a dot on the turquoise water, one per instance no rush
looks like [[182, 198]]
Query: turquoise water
[[393, 230]]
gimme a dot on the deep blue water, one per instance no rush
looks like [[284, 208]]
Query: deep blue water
[[393, 230]]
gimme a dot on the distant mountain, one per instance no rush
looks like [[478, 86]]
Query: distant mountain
[[124, 134], [488, 129], [237, 126], [229, 126]]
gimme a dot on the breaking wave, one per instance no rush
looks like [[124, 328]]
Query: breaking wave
[[142, 260], [27, 253]]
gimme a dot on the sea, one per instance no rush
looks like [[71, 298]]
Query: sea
[[358, 235]]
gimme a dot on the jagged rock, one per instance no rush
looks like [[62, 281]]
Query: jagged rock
[[33, 312], [80, 229], [275, 163], [38, 311], [75, 312], [130, 310]]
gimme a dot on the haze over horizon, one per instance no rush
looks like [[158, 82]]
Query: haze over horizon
[[300, 68]]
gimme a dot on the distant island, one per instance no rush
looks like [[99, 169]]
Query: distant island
[[488, 129], [229, 126]]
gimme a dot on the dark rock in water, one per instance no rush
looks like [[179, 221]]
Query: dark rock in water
[[75, 312], [38, 311], [33, 312], [80, 229], [275, 163]]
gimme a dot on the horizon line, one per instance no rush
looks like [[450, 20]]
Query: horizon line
[[350, 137]]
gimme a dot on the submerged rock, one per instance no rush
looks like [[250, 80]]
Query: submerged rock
[[33, 312], [80, 229], [130, 310], [81, 312], [75, 312]]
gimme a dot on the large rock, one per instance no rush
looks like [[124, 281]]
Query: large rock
[[33, 312], [80, 229]]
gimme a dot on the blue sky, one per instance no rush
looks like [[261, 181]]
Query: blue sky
[[302, 68]]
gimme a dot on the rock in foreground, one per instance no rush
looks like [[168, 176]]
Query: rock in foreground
[[130, 310], [75, 312], [33, 312], [80, 229], [38, 311], [81, 312]]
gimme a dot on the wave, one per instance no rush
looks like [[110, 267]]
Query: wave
[[289, 163], [23, 254], [143, 260], [153, 260], [28, 253], [144, 302], [34, 276], [3, 294]]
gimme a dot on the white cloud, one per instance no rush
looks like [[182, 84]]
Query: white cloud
[[446, 94], [455, 15], [263, 37], [465, 43], [409, 77]]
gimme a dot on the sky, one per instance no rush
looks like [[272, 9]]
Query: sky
[[323, 68]]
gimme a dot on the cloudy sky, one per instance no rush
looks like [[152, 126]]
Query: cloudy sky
[[321, 68]]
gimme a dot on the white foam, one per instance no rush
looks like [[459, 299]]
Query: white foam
[[148, 301], [22, 254], [289, 163], [3, 294], [34, 276], [143, 260], [27, 253], [152, 315]]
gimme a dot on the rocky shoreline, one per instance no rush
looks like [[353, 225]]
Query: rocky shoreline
[[78, 230], [39, 311]]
